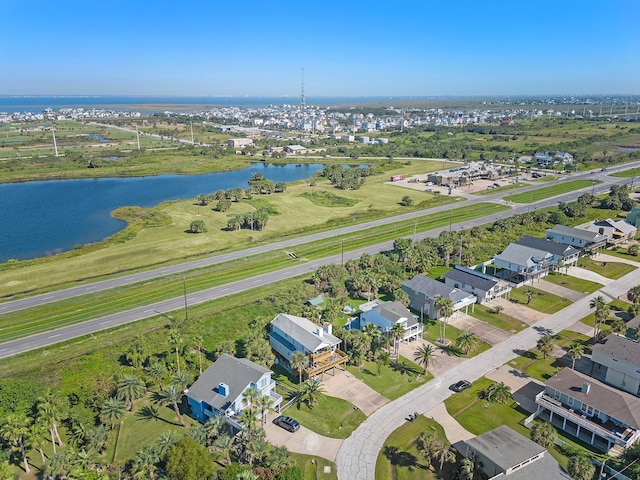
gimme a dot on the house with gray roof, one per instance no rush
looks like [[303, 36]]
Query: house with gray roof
[[387, 314], [519, 263], [503, 452], [483, 286], [577, 237], [422, 292], [562, 255], [221, 388], [617, 360], [616, 231], [594, 412], [290, 334]]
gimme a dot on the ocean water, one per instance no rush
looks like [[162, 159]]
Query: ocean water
[[36, 104]]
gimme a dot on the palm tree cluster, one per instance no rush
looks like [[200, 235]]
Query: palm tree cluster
[[602, 312], [497, 392], [434, 449]]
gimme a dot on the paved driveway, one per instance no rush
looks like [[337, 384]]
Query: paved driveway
[[520, 311], [482, 330], [303, 441], [346, 386], [561, 291]]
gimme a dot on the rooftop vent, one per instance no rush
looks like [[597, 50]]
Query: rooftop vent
[[585, 388]]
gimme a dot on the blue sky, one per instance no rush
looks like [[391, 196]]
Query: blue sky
[[347, 48]]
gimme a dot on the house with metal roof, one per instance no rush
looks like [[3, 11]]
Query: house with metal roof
[[388, 314], [617, 360], [562, 255], [483, 286], [422, 292], [290, 334], [616, 231], [577, 237], [221, 388], [594, 412], [503, 452], [520, 264]]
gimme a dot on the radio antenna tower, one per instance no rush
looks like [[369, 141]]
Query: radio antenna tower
[[302, 105]]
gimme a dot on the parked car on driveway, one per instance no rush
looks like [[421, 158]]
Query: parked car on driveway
[[287, 423], [460, 386]]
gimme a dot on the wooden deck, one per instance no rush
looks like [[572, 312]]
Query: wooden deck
[[320, 363]]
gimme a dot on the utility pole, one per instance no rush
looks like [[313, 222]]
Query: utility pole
[[138, 136], [341, 252], [192, 142], [55, 144], [415, 227], [460, 253], [184, 290]]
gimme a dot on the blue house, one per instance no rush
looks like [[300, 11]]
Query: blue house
[[220, 390], [386, 315]]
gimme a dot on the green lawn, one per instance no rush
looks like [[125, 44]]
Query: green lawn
[[406, 463], [313, 467], [499, 320], [392, 382], [574, 283], [331, 416], [535, 365], [479, 416], [502, 189], [542, 301], [613, 270], [623, 253], [432, 334], [547, 192]]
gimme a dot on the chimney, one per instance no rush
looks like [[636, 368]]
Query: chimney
[[223, 389], [328, 328], [585, 388], [319, 332]]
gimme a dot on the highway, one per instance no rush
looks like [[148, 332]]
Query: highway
[[15, 347]]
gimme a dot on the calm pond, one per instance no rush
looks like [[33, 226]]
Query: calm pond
[[48, 217]]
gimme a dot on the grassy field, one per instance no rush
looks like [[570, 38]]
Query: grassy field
[[399, 458], [548, 192], [613, 270], [392, 382], [574, 283], [542, 301], [313, 467], [499, 320], [331, 416]]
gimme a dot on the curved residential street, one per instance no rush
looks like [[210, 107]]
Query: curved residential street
[[357, 455]]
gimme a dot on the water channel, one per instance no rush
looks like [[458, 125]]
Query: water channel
[[47, 217]]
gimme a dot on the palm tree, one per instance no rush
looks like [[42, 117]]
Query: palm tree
[[466, 341], [396, 333], [198, 340], [618, 326], [602, 313], [165, 441], [576, 350], [634, 294], [175, 338], [136, 354], [248, 421], [51, 408], [297, 363], [443, 453], [15, 430], [37, 436], [182, 380], [372, 332], [223, 444], [256, 449], [130, 388], [543, 434], [251, 396], [445, 310], [97, 438], [144, 463], [157, 371], [425, 355], [497, 392], [529, 294], [265, 403], [171, 396], [580, 467], [312, 391], [113, 410], [545, 345]]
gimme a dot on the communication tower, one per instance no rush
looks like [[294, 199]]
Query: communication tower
[[302, 104]]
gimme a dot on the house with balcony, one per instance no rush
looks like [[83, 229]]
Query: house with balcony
[[423, 291], [616, 360], [520, 264], [504, 453], [483, 286], [594, 412], [577, 237], [221, 389], [562, 255], [616, 231], [290, 334], [388, 314]]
